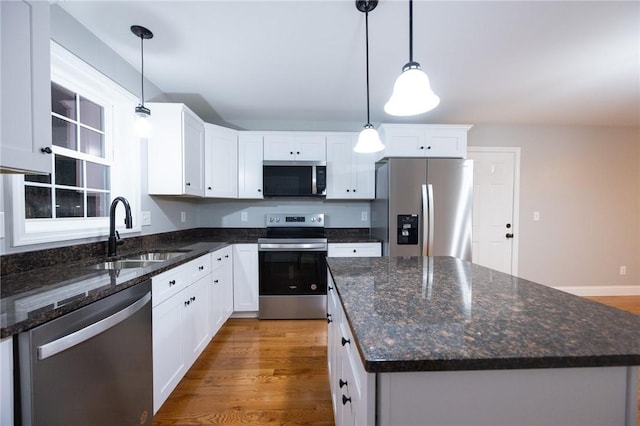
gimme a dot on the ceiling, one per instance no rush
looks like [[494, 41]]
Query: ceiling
[[300, 65]]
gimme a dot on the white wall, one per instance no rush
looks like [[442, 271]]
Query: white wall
[[585, 182]]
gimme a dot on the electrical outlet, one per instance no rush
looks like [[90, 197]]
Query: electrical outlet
[[623, 270], [1, 225], [244, 216], [146, 218], [183, 217], [363, 216], [536, 216]]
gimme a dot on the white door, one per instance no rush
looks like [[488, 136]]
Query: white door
[[495, 206]]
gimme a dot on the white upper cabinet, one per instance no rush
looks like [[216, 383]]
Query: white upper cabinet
[[25, 136], [249, 165], [424, 140], [221, 162], [295, 147], [350, 175], [175, 151]]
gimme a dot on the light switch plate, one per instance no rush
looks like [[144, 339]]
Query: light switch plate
[[183, 217], [244, 216]]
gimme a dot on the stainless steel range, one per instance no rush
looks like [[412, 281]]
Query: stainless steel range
[[293, 271]]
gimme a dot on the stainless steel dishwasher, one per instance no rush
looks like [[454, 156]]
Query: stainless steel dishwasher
[[92, 366]]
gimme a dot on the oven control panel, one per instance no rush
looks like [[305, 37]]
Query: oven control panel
[[297, 220]]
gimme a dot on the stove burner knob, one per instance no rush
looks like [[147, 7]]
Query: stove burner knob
[[313, 219], [277, 219], [319, 219], [270, 219]]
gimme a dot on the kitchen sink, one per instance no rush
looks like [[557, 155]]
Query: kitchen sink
[[155, 256], [139, 260]]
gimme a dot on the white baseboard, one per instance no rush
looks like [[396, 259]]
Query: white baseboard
[[615, 290]]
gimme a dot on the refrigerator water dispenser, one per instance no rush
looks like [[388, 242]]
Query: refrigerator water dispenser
[[408, 229]]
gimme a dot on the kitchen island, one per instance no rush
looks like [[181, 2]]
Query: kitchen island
[[437, 340]]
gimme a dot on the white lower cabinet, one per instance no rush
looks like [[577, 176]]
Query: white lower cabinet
[[6, 381], [245, 278], [180, 323], [221, 295], [352, 388]]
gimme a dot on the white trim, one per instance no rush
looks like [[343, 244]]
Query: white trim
[[602, 290], [516, 196], [70, 71]]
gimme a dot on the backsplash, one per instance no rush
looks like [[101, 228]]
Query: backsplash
[[20, 262]]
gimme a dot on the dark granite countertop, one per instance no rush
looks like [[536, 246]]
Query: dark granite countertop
[[442, 313], [40, 295]]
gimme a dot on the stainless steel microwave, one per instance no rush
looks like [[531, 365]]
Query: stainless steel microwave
[[294, 179]]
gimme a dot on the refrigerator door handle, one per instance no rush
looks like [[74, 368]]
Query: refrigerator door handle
[[427, 219]]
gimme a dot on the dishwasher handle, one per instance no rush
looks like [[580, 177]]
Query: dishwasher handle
[[52, 348]]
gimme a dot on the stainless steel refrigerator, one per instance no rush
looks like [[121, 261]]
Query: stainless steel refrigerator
[[423, 207]]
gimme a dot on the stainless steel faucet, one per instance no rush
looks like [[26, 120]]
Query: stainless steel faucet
[[114, 236]]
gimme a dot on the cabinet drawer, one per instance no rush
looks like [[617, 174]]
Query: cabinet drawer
[[167, 284], [220, 258], [354, 250], [198, 268]]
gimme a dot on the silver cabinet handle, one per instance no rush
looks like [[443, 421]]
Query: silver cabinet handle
[[52, 348]]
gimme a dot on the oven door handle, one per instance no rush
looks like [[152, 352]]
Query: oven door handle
[[293, 246]]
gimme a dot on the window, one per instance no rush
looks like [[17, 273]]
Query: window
[[95, 158], [80, 183]]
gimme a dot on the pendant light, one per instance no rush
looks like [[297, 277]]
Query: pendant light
[[369, 139], [412, 93], [143, 114]]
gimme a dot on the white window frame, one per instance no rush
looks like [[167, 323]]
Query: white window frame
[[122, 149]]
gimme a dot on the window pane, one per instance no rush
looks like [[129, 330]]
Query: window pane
[[68, 171], [63, 133], [97, 176], [63, 101], [91, 142], [97, 204], [38, 178], [90, 114], [37, 202], [69, 203]]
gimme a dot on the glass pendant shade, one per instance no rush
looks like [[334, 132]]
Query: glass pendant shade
[[412, 93], [142, 125], [368, 141]]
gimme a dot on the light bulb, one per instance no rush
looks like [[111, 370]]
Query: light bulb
[[368, 141], [412, 93], [143, 122]]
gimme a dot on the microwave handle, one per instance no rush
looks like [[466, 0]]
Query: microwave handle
[[314, 181]]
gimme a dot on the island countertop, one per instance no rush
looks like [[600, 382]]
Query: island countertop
[[443, 313]]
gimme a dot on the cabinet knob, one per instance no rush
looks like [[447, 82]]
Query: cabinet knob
[[259, 190], [354, 250], [193, 298], [172, 282], [428, 147], [200, 268], [297, 152], [188, 184], [46, 150], [345, 341], [329, 320], [342, 383], [187, 303], [347, 190], [354, 190], [219, 259], [209, 188], [508, 235], [291, 152], [345, 400], [226, 256], [422, 147], [215, 281]]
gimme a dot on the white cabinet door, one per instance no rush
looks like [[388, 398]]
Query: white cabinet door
[[6, 381], [424, 140], [175, 151], [25, 107], [249, 166], [169, 363], [216, 307], [245, 277], [221, 162], [354, 250], [193, 138], [196, 328], [350, 175], [294, 147], [227, 285]]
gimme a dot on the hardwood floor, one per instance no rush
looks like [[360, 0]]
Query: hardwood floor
[[270, 372], [256, 372]]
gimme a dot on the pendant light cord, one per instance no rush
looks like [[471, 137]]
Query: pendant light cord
[[142, 70], [410, 30], [366, 21]]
